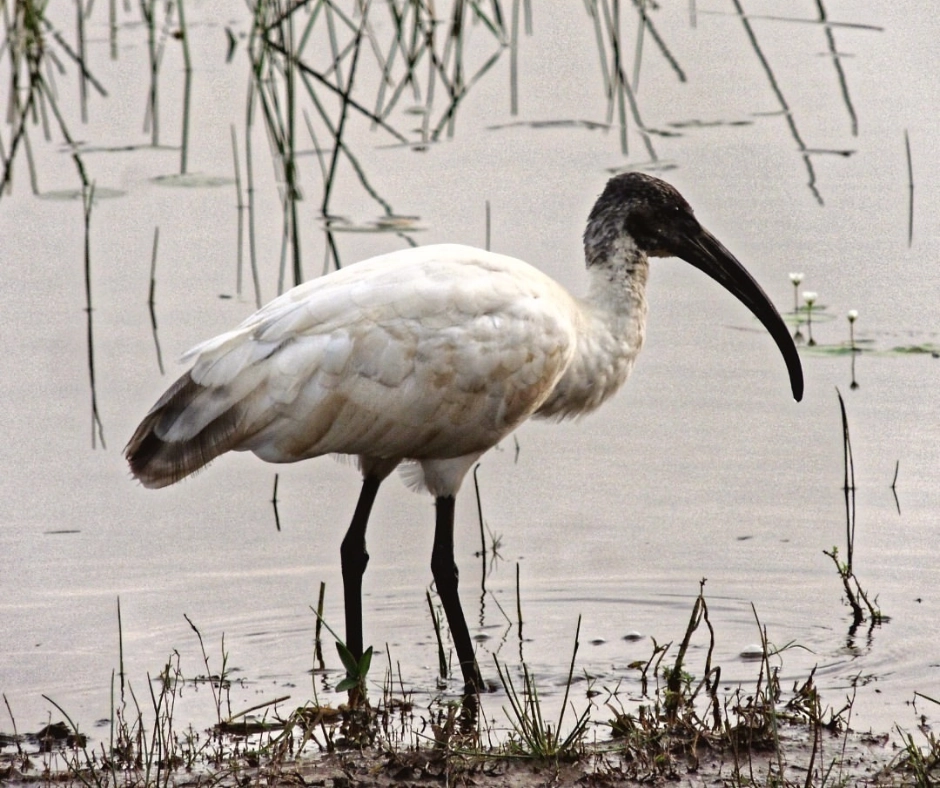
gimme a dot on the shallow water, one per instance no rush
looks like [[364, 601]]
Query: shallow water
[[702, 467]]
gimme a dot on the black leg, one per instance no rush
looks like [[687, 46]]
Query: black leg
[[445, 574], [354, 560]]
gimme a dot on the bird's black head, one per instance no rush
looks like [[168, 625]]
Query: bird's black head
[[648, 210], [639, 216]]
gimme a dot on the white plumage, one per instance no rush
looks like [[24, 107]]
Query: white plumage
[[432, 356], [425, 354]]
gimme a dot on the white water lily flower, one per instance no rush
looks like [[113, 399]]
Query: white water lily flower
[[810, 297], [852, 315], [796, 278]]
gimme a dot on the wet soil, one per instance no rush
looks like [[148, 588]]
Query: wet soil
[[848, 759]]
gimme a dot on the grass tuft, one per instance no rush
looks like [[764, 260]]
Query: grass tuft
[[534, 737], [855, 594]]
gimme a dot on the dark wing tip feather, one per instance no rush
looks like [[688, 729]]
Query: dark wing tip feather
[[156, 462]]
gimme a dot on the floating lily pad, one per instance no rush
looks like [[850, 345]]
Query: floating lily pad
[[865, 346], [193, 180], [63, 195], [665, 133], [396, 223], [707, 124], [659, 165], [384, 224], [573, 123], [926, 348], [801, 317]]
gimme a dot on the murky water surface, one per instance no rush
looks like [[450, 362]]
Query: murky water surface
[[703, 467]]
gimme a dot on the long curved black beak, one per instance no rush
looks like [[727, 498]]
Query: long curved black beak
[[706, 253]]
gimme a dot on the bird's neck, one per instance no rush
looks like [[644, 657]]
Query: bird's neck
[[613, 326]]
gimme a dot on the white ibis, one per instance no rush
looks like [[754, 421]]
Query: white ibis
[[429, 357]]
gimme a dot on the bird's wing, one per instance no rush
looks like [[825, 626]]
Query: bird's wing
[[431, 352]]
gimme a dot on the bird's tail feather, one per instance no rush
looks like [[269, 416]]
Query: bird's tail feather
[[157, 462]]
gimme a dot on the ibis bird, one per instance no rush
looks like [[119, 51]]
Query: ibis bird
[[428, 357]]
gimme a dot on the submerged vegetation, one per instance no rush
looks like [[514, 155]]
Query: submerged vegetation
[[854, 593], [669, 717]]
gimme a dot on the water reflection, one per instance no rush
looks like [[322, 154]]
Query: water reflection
[[290, 84], [806, 152], [425, 72], [277, 516], [151, 303]]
